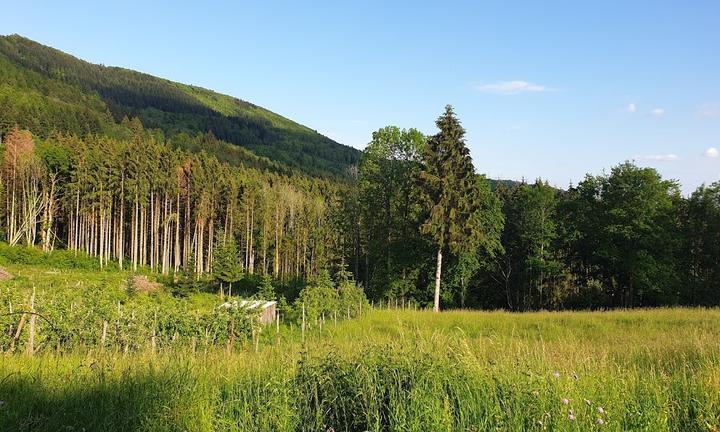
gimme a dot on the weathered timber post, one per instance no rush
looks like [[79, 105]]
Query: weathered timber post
[[31, 328], [103, 336], [303, 322]]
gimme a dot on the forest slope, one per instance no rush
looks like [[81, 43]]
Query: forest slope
[[43, 89]]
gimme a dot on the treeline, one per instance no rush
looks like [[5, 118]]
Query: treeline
[[142, 203], [415, 222], [623, 239]]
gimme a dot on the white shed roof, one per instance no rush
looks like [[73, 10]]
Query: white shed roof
[[249, 304]]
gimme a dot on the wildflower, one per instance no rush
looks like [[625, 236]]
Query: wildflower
[[588, 402], [556, 374], [571, 417], [565, 401], [601, 410], [599, 422]]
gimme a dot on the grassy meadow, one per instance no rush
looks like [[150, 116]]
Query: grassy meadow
[[394, 370]]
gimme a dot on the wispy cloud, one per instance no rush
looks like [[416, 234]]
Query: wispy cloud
[[709, 110], [511, 87], [631, 108], [660, 157], [712, 152], [658, 112]]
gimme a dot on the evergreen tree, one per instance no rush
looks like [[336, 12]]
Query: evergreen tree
[[226, 267], [458, 220], [266, 291]]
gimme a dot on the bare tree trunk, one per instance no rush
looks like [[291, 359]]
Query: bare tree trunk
[[251, 263], [77, 221], [177, 232], [438, 272], [211, 241], [276, 261], [247, 236], [121, 233], [135, 233], [101, 233]]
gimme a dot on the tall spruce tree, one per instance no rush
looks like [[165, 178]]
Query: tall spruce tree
[[226, 267], [457, 218]]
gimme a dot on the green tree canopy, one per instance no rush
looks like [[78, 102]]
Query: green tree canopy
[[458, 219]]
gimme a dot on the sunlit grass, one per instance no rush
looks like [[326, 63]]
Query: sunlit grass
[[396, 371]]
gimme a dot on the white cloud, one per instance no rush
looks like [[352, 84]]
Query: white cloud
[[511, 87], [631, 108], [712, 152], [709, 110], [660, 157], [658, 112]]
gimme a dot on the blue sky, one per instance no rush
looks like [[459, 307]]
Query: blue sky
[[544, 89]]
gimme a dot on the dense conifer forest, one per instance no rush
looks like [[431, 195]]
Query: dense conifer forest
[[46, 90], [141, 172]]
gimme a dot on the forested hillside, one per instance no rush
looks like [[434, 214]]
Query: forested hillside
[[45, 90], [142, 173]]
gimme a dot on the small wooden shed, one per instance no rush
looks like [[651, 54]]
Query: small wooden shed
[[267, 309]]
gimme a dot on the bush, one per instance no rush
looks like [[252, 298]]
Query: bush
[[320, 298], [352, 297], [62, 259], [323, 298]]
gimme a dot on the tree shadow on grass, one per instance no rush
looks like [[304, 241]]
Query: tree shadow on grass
[[133, 401]]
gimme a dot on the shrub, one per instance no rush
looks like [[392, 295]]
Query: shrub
[[323, 298], [62, 259], [320, 298]]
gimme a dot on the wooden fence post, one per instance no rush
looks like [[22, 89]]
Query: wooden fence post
[[154, 332], [31, 328], [104, 335], [256, 338], [303, 322]]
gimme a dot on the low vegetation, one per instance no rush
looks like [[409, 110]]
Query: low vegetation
[[74, 305], [647, 370]]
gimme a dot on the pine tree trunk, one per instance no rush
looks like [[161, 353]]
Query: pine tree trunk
[[251, 262], [121, 224], [177, 232], [438, 272], [211, 241], [276, 261]]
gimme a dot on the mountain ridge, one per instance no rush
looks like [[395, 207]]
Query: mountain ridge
[[45, 89]]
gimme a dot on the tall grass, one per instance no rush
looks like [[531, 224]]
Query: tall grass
[[650, 370]]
